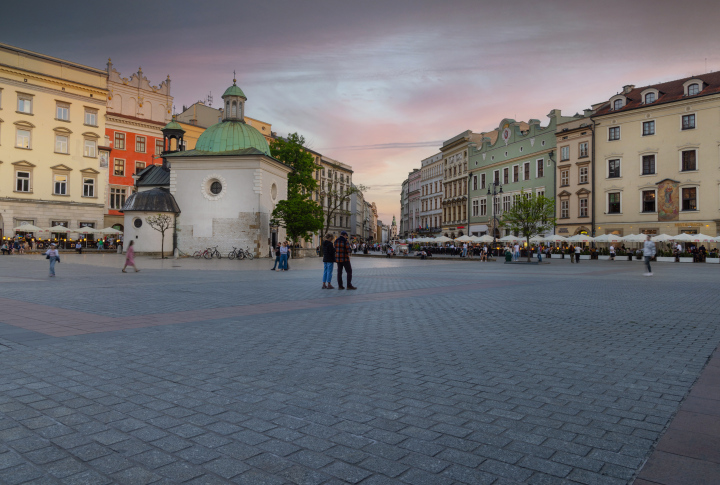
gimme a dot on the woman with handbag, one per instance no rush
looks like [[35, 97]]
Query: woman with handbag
[[54, 257]]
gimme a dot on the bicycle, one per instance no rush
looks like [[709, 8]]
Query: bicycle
[[247, 253], [236, 253], [209, 253]]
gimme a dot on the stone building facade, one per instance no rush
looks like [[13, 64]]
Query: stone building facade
[[431, 195], [414, 179], [455, 182]]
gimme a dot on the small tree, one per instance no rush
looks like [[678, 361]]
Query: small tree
[[530, 216], [338, 203], [161, 223], [300, 217]]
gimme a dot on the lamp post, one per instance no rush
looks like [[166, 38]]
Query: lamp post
[[494, 190]]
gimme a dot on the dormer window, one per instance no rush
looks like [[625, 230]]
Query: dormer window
[[617, 104], [649, 98], [693, 89]]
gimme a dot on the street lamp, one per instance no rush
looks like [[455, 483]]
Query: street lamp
[[494, 190]]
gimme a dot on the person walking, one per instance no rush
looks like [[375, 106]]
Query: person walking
[[277, 258], [464, 250], [577, 254], [328, 261], [54, 257], [516, 252], [649, 253], [129, 257], [540, 251], [571, 250], [342, 257], [612, 253], [283, 256]]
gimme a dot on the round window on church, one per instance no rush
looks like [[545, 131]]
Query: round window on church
[[215, 188], [137, 223]]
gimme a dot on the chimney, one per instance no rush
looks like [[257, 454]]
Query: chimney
[[628, 88], [587, 112]]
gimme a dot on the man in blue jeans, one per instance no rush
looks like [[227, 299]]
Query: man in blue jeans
[[342, 257]]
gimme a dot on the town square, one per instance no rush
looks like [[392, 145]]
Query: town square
[[389, 241]]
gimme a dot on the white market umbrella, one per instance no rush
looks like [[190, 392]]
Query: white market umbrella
[[510, 239], [683, 237], [635, 238], [537, 239], [555, 238], [110, 230], [580, 238], [464, 239], [29, 228], [442, 239], [609, 238], [661, 238], [700, 238], [483, 239], [59, 230]]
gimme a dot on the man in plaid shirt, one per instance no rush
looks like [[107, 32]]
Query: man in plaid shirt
[[342, 257]]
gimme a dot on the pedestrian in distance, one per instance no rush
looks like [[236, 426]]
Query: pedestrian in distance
[[649, 253], [328, 261], [612, 253], [283, 256], [277, 259], [78, 247], [571, 250], [130, 257], [577, 254], [342, 257], [54, 257], [540, 251], [516, 252]]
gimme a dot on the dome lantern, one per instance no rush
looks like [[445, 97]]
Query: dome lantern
[[234, 103]]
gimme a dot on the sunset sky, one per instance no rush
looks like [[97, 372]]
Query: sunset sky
[[380, 84]]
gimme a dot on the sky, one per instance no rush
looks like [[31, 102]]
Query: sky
[[379, 85]]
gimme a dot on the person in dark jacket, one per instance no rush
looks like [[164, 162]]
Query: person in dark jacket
[[342, 257], [277, 258], [328, 261]]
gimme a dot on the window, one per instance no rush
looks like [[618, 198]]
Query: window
[[648, 164], [613, 169], [689, 160], [564, 178], [496, 176], [496, 205], [613, 133], [119, 141], [160, 147], [24, 104], [475, 186], [693, 89], [60, 184], [119, 167], [565, 153], [583, 175], [23, 139], [22, 182], [117, 198], [527, 171], [140, 144], [91, 117], [62, 111], [648, 201], [516, 173], [88, 187], [583, 149], [564, 209], [475, 208], [689, 199], [139, 167], [482, 181], [614, 203], [61, 144], [483, 207], [506, 203], [649, 98], [617, 104], [648, 128], [540, 168], [584, 207], [688, 122], [90, 148], [506, 175]]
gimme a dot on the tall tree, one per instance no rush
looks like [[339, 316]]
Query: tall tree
[[530, 215], [298, 214], [336, 202]]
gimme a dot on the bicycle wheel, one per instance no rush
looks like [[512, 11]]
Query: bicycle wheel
[[249, 255], [240, 254], [207, 255], [197, 254], [217, 254], [231, 255]]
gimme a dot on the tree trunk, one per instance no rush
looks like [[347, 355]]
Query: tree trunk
[[162, 245], [529, 255]]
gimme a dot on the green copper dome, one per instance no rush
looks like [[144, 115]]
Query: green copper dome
[[173, 125], [233, 91], [231, 135]]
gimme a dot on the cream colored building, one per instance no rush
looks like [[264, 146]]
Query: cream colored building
[[333, 177], [52, 121], [657, 154], [431, 194], [455, 181], [574, 177]]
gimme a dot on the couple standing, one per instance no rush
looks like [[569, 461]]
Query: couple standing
[[338, 252]]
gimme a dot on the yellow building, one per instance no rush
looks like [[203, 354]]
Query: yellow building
[[199, 116], [52, 121], [656, 158]]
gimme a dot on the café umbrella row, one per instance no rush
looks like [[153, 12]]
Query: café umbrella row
[[53, 234], [579, 238]]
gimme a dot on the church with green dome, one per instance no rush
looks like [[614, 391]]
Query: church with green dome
[[227, 186]]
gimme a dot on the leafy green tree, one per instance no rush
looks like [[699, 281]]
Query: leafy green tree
[[530, 215], [298, 214]]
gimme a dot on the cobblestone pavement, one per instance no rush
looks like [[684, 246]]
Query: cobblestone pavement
[[430, 373]]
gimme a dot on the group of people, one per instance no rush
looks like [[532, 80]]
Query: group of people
[[14, 247], [337, 251], [282, 253]]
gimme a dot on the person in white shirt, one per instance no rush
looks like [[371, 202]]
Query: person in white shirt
[[612, 253], [464, 251], [54, 257], [516, 252], [649, 253], [577, 253]]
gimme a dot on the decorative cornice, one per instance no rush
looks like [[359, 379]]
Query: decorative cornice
[[56, 92], [61, 167], [24, 163], [148, 125]]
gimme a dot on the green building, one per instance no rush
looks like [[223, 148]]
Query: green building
[[520, 157]]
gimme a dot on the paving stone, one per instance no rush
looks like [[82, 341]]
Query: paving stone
[[226, 467]]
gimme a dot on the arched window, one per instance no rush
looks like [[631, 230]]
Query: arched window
[[693, 89], [649, 98], [234, 109], [618, 104]]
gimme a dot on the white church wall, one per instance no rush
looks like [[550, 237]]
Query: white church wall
[[147, 239]]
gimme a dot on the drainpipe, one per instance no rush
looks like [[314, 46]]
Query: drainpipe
[[592, 162]]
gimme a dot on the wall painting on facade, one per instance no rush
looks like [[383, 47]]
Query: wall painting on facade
[[668, 200]]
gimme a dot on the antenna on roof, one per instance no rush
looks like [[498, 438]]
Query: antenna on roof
[[210, 99], [706, 66]]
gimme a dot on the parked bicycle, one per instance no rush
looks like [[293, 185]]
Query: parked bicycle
[[248, 254], [236, 253], [209, 253]]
